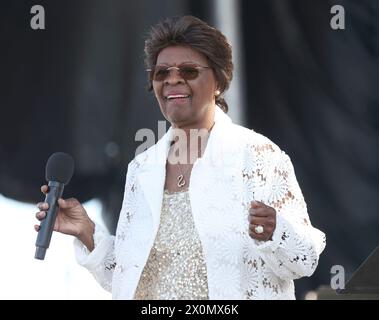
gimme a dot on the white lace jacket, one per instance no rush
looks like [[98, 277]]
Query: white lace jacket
[[238, 166]]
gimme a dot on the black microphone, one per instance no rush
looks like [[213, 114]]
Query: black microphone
[[59, 170]]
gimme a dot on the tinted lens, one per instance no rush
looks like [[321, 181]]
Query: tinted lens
[[160, 74], [189, 73], [186, 72]]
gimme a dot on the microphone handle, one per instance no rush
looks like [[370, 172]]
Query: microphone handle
[[47, 224]]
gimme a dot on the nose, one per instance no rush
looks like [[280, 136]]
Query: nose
[[173, 77]]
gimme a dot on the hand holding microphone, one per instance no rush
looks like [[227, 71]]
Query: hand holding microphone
[[56, 214]]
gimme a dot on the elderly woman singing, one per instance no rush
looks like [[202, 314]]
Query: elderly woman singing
[[213, 210]]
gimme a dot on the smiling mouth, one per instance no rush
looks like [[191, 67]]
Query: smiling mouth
[[177, 97]]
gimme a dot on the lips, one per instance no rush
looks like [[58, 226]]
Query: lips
[[176, 95]]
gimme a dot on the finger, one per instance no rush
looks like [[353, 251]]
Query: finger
[[268, 225], [260, 236], [62, 203], [45, 189], [43, 206], [67, 203], [259, 221], [264, 236], [263, 211], [36, 227], [41, 215], [257, 204], [267, 230], [260, 212]]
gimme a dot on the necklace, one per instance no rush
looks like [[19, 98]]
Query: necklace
[[181, 177]]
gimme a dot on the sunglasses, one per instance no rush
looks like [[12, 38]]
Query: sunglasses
[[186, 72]]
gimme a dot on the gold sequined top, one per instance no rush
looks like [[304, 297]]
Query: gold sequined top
[[175, 269]]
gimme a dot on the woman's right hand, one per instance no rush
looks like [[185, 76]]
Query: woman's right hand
[[71, 219]]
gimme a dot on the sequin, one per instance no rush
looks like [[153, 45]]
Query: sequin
[[176, 268]]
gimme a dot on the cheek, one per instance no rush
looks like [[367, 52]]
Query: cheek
[[204, 90], [206, 86], [157, 91]]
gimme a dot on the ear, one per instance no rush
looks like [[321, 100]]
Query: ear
[[218, 90]]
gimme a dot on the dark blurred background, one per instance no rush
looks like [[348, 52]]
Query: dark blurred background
[[79, 86]]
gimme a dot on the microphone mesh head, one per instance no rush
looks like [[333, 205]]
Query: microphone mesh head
[[60, 167]]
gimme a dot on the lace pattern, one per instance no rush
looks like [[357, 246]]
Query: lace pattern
[[238, 267]]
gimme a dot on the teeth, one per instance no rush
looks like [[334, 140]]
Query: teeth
[[176, 96]]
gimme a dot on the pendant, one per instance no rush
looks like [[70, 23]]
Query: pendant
[[181, 181]]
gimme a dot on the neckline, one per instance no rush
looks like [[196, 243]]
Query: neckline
[[166, 192]]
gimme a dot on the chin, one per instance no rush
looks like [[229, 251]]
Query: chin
[[176, 114], [177, 119]]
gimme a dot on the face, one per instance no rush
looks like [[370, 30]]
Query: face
[[195, 107]]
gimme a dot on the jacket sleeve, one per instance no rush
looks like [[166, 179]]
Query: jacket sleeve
[[101, 261], [296, 245]]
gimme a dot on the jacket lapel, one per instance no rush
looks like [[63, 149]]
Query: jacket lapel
[[216, 150], [152, 176], [153, 171]]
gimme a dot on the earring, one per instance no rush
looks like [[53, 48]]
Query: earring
[[217, 93]]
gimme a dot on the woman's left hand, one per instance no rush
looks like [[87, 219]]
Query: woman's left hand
[[262, 221]]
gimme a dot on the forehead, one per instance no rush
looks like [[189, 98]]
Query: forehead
[[177, 55]]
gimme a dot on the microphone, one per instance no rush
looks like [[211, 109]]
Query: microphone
[[59, 170]]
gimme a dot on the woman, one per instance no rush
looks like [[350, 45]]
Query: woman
[[223, 219]]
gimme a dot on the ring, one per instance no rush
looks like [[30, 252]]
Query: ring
[[259, 229]]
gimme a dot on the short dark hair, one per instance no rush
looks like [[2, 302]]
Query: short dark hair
[[198, 35]]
